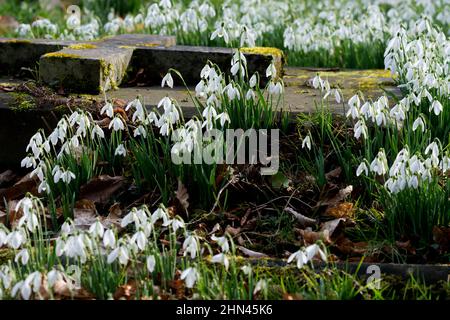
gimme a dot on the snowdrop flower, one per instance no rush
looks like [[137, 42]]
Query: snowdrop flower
[[167, 80], [307, 142], [15, 239], [300, 257], [271, 71], [190, 246], [116, 124], [108, 108], [222, 259], [261, 285], [177, 223], [253, 81], [97, 229], [23, 256], [120, 252], [28, 162], [250, 95], [379, 164], [222, 242], [151, 263], [223, 117], [120, 151], [247, 269], [190, 276], [109, 239], [275, 88], [360, 129], [97, 131], [362, 168], [436, 106], [221, 33], [314, 249], [419, 122], [140, 131]]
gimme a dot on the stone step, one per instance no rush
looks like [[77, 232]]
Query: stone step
[[92, 70], [98, 66]]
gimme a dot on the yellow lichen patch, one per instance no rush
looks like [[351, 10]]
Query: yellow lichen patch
[[149, 44], [82, 46], [264, 51], [61, 55], [127, 47]]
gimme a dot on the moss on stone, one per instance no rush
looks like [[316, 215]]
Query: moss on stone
[[264, 51], [61, 55], [22, 102], [82, 46], [6, 255], [149, 44]]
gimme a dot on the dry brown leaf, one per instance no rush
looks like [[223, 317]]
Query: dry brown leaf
[[3, 216], [7, 177], [182, 195], [311, 237], [102, 188], [232, 231], [303, 220], [342, 194], [333, 174], [13, 215], [441, 235], [341, 210], [20, 188], [126, 291], [251, 253], [333, 226]]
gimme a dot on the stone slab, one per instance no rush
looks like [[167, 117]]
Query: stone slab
[[16, 54], [92, 70], [151, 55]]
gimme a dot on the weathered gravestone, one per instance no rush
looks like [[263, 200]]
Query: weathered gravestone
[[101, 65]]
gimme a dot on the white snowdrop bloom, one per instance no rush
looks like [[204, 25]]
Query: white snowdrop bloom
[[65, 229], [419, 123], [24, 30], [53, 276], [16, 238], [167, 80], [190, 276], [379, 164], [232, 92], [271, 71], [3, 237], [306, 143], [261, 285], [108, 109], [151, 263], [313, 250], [120, 253], [222, 259], [300, 257], [316, 82], [116, 124], [223, 118], [247, 269], [109, 239], [97, 131], [354, 102], [140, 239], [436, 107], [360, 129], [140, 131], [250, 95], [120, 150], [222, 242], [253, 81], [28, 162], [96, 229], [165, 102], [434, 149], [23, 256], [177, 223], [275, 88], [190, 246], [221, 33], [205, 72], [362, 168]]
